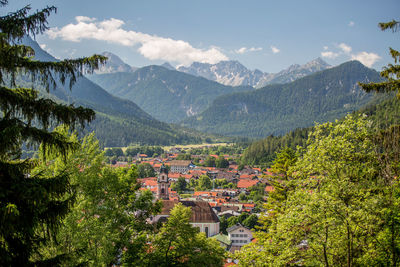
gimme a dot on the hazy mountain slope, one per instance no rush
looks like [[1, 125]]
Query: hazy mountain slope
[[279, 108], [119, 122], [167, 95], [114, 64]]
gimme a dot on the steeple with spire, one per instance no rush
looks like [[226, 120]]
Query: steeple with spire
[[163, 183]]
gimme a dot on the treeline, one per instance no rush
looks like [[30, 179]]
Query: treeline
[[114, 131], [132, 151], [263, 152], [279, 108], [383, 111]]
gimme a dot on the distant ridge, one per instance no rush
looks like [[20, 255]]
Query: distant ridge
[[279, 108], [168, 95], [233, 73], [118, 122]]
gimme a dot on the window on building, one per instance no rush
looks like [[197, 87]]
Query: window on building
[[245, 235]]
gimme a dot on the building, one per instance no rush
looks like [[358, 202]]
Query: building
[[163, 184], [223, 241], [239, 235], [181, 166], [203, 216]]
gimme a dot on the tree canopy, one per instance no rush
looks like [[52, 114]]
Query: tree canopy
[[392, 71], [31, 205], [178, 243]]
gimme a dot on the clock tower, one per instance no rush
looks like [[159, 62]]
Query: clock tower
[[163, 184]]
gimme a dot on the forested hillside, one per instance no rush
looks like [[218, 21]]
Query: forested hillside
[[119, 122], [278, 109], [383, 111], [167, 95]]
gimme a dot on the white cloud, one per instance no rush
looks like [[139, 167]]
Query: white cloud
[[45, 48], [150, 46], [351, 23], [345, 48], [246, 50], [84, 19], [275, 50], [368, 59], [329, 54]]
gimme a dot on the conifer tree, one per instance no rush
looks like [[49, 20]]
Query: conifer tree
[[31, 206], [391, 72]]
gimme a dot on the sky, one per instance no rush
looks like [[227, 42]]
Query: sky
[[261, 34]]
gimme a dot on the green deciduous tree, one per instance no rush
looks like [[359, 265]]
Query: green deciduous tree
[[145, 170], [221, 162], [181, 185], [204, 183], [209, 162], [32, 206], [178, 243], [342, 212], [108, 213]]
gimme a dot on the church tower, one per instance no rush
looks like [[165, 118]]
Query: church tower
[[163, 184]]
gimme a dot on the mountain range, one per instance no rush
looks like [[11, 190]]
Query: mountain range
[[235, 74], [297, 96], [160, 92], [119, 122], [279, 108], [167, 95]]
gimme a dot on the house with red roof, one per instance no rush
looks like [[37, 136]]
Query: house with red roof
[[269, 188], [246, 183]]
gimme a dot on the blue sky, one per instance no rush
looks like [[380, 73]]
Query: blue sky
[[267, 35]]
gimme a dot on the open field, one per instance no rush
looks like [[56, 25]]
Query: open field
[[166, 148]]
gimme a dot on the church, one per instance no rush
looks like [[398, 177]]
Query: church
[[203, 216]]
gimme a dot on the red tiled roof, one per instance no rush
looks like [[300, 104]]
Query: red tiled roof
[[245, 183], [208, 193], [246, 176], [180, 162], [149, 181], [269, 188], [201, 210], [174, 175]]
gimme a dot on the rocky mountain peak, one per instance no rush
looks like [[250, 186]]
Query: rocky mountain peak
[[114, 64]]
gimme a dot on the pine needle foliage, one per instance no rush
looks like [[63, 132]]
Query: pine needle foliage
[[32, 206], [392, 71]]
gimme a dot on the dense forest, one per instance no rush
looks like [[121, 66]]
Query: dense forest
[[277, 109], [167, 95], [383, 111]]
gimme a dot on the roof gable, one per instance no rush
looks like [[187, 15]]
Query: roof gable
[[201, 210]]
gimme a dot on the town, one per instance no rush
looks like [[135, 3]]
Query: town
[[226, 198]]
